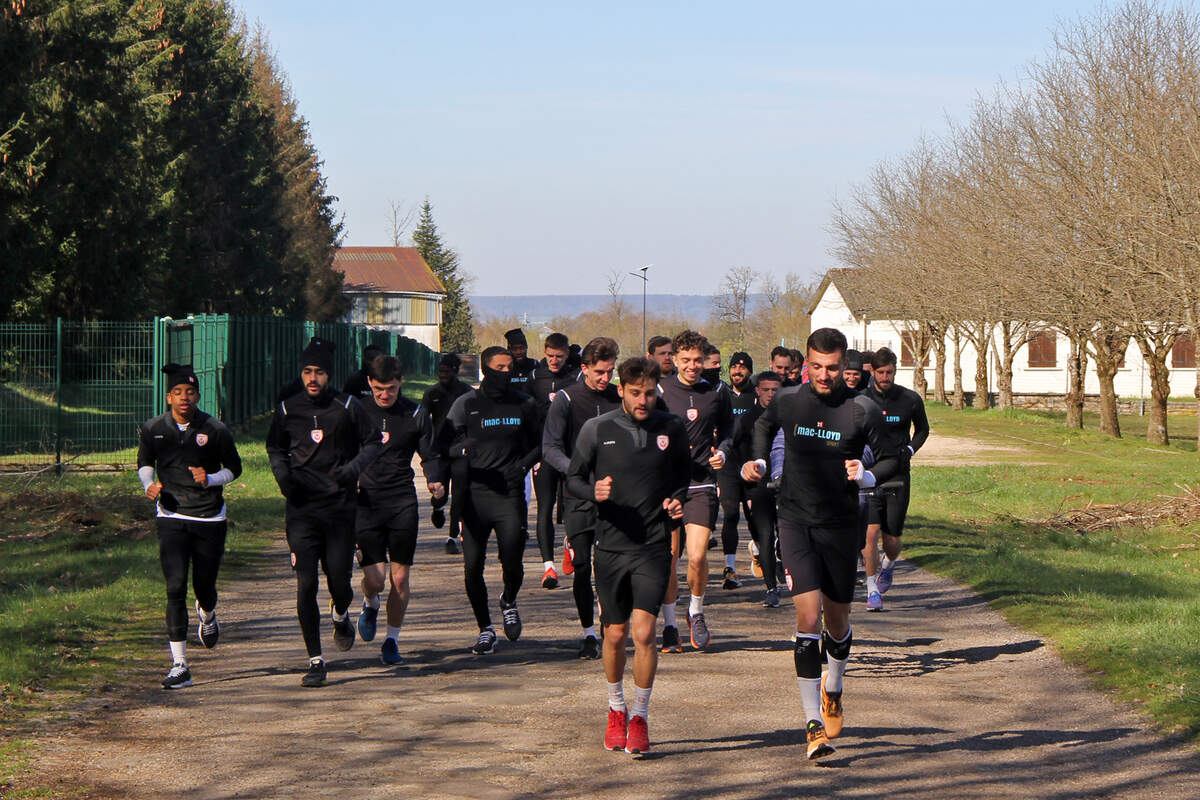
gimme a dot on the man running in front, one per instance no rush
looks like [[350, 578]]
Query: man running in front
[[825, 429], [319, 443], [707, 415], [550, 377], [194, 456], [635, 462], [495, 439], [594, 394], [903, 411], [385, 526]]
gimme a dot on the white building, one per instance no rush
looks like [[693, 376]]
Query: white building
[[1039, 368], [392, 289]]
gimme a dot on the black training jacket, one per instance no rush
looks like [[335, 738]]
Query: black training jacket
[[707, 414], [318, 446], [405, 428], [546, 384], [498, 437], [901, 408], [358, 386], [438, 399], [649, 462], [205, 443], [819, 435], [521, 377], [571, 408]]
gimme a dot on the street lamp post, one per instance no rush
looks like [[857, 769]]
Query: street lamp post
[[641, 273]]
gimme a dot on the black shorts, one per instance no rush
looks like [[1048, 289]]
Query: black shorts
[[700, 508], [388, 532], [625, 581], [819, 558], [887, 507]]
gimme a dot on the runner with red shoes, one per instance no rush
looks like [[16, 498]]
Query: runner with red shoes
[[551, 376], [635, 463]]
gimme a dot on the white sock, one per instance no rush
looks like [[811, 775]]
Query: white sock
[[204, 617], [731, 560], [178, 652], [547, 565], [872, 584], [641, 701], [336, 616], [837, 669], [590, 630], [668, 612], [371, 602], [393, 633], [316, 660], [616, 696], [810, 697], [887, 562], [696, 606]]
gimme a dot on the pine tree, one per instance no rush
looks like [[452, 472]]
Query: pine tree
[[458, 334]]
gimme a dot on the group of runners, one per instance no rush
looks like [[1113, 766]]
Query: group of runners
[[637, 457]]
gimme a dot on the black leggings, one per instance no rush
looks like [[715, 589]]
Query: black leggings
[[762, 525], [201, 544], [732, 494], [545, 487], [486, 510], [321, 534], [585, 596]]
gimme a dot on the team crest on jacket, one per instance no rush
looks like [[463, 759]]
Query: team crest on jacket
[[385, 436], [663, 441], [201, 439], [692, 413], [317, 435]]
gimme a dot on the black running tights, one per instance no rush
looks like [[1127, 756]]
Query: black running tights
[[201, 544]]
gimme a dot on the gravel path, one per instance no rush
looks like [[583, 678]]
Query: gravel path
[[943, 700]]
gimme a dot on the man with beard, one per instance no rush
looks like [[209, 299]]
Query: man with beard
[[729, 483], [523, 366], [658, 350]]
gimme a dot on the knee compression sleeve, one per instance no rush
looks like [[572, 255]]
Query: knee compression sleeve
[[835, 649]]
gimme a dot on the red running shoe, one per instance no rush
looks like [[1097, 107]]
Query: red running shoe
[[568, 557], [614, 737], [550, 579], [638, 739]]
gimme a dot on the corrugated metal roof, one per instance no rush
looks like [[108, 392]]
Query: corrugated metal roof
[[386, 269]]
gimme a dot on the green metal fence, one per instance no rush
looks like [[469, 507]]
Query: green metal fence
[[75, 392]]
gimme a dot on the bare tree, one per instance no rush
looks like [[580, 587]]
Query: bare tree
[[399, 220], [731, 305]]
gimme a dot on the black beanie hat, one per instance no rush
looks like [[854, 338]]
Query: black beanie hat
[[742, 358], [854, 360], [180, 373], [318, 353], [450, 360], [515, 336]]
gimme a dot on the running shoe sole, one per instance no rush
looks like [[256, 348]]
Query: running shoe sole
[[181, 681]]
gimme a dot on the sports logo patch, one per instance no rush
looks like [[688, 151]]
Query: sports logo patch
[[787, 575], [293, 560], [386, 435], [552, 395], [663, 441], [317, 435], [201, 439], [692, 413]]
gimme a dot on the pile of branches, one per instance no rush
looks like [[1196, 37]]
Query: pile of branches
[[1179, 509]]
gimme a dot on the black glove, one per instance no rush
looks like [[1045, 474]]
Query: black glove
[[345, 475]]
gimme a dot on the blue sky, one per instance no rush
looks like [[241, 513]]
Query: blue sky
[[558, 141]]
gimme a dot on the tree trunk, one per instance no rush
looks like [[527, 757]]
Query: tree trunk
[[939, 365], [1160, 389], [1004, 362], [1076, 376], [981, 338], [959, 401], [1106, 372]]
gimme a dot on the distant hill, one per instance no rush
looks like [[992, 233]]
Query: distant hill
[[543, 307]]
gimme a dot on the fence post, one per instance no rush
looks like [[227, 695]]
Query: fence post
[[58, 395]]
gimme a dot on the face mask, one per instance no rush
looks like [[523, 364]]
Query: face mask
[[713, 375], [494, 381]]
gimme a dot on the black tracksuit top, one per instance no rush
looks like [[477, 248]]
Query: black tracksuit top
[[546, 384], [206, 443], [743, 437], [707, 414], [649, 462], [312, 438], [902, 408], [358, 386], [498, 436], [819, 435], [405, 428], [438, 399], [521, 377], [741, 403], [571, 408]]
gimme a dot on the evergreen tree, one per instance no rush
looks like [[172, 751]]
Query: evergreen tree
[[457, 332]]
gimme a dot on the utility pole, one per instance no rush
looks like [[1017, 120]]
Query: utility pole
[[641, 273]]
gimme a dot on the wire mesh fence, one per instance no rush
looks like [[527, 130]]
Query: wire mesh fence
[[73, 393]]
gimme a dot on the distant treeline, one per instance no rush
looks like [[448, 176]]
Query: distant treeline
[[153, 160]]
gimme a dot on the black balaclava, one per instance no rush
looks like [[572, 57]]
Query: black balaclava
[[495, 383], [712, 375]]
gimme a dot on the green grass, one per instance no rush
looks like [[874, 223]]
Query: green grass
[[1123, 604]]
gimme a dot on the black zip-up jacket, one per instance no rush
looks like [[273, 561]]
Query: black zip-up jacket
[[820, 434], [497, 435], [741, 403], [318, 446], [901, 408], [405, 428], [546, 384], [649, 462], [707, 414], [571, 408], [438, 399], [358, 386], [521, 377], [743, 437], [205, 443]]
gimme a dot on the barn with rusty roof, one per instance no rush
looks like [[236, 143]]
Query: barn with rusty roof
[[392, 289]]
